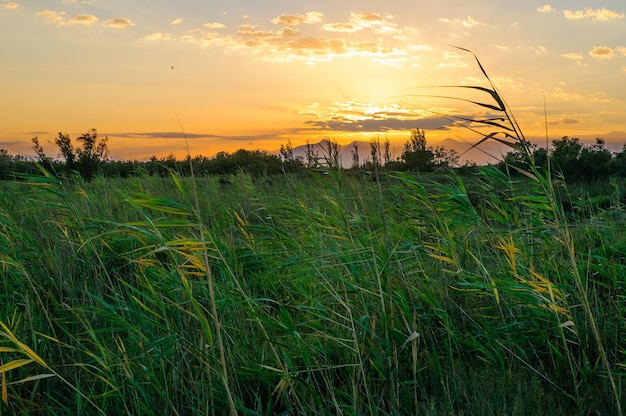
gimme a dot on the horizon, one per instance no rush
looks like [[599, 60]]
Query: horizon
[[257, 76]]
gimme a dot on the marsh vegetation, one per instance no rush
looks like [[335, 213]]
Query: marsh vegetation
[[496, 292]]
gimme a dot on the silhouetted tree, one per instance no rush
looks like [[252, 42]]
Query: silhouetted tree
[[355, 156], [564, 155], [443, 157], [331, 151], [620, 162], [42, 158], [85, 159], [387, 151], [415, 155], [595, 161]]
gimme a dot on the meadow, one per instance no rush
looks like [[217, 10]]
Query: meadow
[[312, 294], [496, 292]]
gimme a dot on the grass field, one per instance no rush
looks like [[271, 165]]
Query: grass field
[[312, 294]]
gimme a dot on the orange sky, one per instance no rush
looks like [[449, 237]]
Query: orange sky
[[257, 75]]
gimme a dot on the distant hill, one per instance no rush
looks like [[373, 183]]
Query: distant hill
[[345, 152], [487, 152]]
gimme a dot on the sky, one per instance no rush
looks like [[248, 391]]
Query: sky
[[161, 78]]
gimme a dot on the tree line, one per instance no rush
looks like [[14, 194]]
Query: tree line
[[88, 156], [570, 157]]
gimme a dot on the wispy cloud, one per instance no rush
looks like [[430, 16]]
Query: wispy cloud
[[59, 18], [83, 19], [602, 52], [52, 16], [453, 60], [119, 23], [11, 5], [316, 42], [298, 19], [214, 25], [469, 22], [355, 116], [164, 135], [176, 21], [595, 15], [546, 9], [573, 55], [156, 36]]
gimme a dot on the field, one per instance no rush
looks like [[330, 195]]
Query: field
[[312, 294]]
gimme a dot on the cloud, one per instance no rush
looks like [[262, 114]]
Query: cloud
[[621, 49], [340, 27], [595, 15], [546, 9], [164, 135], [288, 32], [602, 52], [60, 19], [453, 60], [176, 21], [375, 125], [297, 19], [468, 23], [573, 55], [214, 25], [119, 23], [83, 19], [52, 16], [290, 43], [156, 36], [540, 50], [10, 6], [358, 21], [357, 116]]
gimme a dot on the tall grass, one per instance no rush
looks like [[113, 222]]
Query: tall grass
[[331, 294]]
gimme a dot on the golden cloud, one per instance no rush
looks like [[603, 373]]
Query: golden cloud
[[156, 36], [573, 55], [119, 23], [288, 43], [595, 15], [546, 9], [469, 22], [297, 19], [374, 21], [340, 27], [84, 19], [251, 31], [602, 52], [10, 6], [214, 25], [51, 16]]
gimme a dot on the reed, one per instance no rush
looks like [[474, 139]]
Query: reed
[[331, 294]]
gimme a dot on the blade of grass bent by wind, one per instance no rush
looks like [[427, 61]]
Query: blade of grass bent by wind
[[492, 92], [488, 121], [492, 136], [490, 106], [497, 97]]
